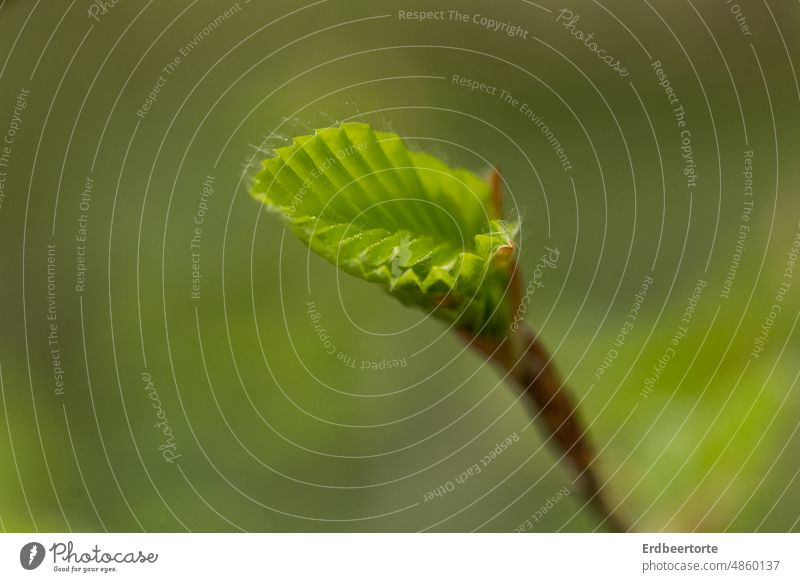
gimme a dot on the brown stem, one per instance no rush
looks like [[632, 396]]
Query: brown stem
[[539, 382], [523, 357], [534, 374]]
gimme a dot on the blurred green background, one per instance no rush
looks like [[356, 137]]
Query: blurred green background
[[269, 432]]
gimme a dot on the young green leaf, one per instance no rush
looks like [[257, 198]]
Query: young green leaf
[[433, 237], [404, 219]]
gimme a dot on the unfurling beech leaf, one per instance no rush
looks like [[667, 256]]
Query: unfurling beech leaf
[[433, 237], [387, 214]]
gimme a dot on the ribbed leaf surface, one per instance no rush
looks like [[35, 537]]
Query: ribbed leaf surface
[[405, 219]]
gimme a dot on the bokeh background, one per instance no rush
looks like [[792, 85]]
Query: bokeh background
[[270, 432]]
